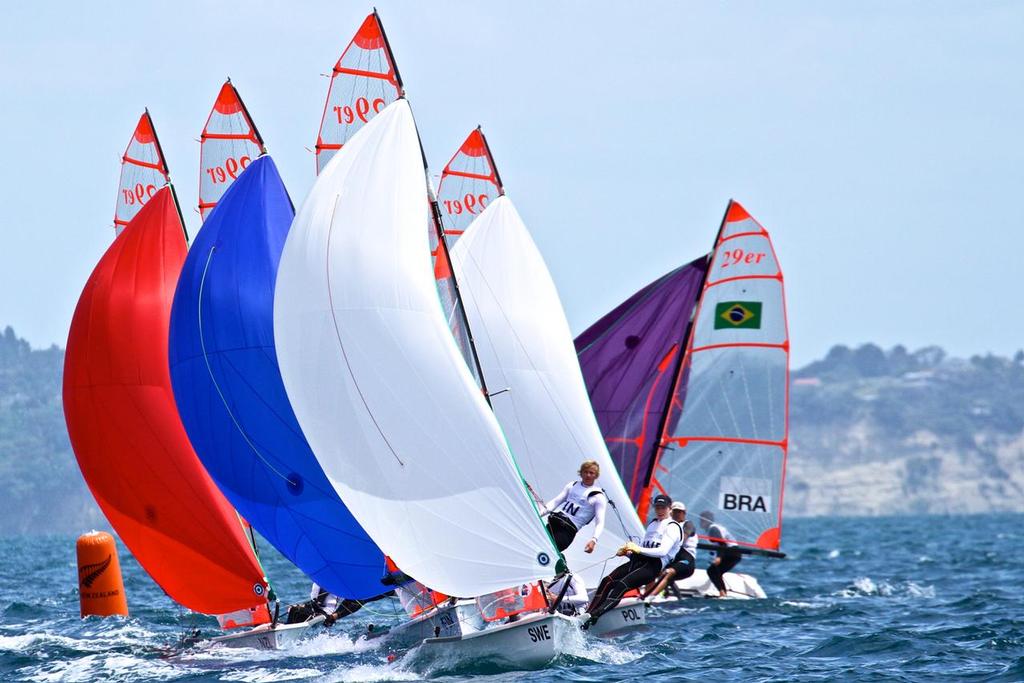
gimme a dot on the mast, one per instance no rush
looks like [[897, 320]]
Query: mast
[[677, 375]]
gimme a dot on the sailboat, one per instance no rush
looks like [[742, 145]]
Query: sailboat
[[689, 380], [527, 355], [228, 386], [387, 402], [128, 439], [143, 172]]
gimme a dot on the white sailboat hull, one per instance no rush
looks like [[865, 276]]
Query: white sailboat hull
[[629, 613], [530, 643], [740, 586], [446, 621], [269, 636]]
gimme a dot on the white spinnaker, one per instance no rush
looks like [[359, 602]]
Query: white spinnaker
[[525, 346], [377, 382]]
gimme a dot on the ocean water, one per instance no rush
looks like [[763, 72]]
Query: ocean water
[[904, 599]]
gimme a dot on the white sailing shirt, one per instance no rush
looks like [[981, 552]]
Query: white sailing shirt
[[576, 595], [662, 540], [582, 504], [690, 543]]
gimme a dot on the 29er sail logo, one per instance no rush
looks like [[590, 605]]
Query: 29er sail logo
[[88, 573]]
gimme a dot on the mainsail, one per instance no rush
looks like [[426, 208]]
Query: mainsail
[[469, 182], [629, 359], [143, 172], [364, 81], [527, 356], [231, 398], [228, 144], [379, 386], [126, 433], [726, 437]]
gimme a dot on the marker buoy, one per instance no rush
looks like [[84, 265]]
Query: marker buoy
[[100, 586]]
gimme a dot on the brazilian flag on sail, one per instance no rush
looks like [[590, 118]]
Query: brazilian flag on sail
[[744, 315]]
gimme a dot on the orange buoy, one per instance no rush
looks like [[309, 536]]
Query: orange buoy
[[100, 586]]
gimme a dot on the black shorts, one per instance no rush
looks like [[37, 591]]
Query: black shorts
[[683, 568]]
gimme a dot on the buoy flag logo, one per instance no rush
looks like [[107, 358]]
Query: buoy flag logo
[[745, 315], [88, 573]]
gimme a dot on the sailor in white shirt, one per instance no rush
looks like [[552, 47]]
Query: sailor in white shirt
[[684, 563], [579, 503], [660, 544], [575, 598]]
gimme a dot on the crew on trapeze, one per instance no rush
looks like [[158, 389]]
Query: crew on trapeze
[[579, 503], [684, 563], [726, 557], [325, 603], [660, 544]]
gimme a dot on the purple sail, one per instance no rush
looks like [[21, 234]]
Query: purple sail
[[629, 357]]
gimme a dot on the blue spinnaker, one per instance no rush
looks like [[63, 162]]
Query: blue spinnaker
[[229, 392]]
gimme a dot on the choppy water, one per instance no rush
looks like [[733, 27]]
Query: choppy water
[[908, 599]]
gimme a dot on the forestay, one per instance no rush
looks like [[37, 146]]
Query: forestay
[[143, 172], [126, 433], [629, 360], [469, 182], [525, 348], [229, 392], [228, 144], [363, 82], [377, 382], [725, 443]]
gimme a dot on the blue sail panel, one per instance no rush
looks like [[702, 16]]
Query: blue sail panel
[[232, 400]]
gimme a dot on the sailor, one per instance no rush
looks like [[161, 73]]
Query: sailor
[[660, 544], [575, 598], [728, 555], [579, 503], [684, 563], [325, 603]]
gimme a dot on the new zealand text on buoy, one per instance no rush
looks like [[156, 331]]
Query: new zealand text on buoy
[[100, 586]]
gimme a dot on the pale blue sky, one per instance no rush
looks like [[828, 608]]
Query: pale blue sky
[[879, 142]]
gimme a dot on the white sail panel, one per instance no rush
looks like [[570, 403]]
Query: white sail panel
[[469, 182], [529, 361], [378, 385], [228, 144], [143, 172], [725, 442], [364, 81]]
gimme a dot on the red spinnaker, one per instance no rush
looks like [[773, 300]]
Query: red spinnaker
[[125, 429]]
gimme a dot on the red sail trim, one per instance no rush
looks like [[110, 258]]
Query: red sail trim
[[129, 198], [369, 36], [725, 239], [473, 162], [225, 147], [232, 136], [145, 164], [682, 441], [474, 176]]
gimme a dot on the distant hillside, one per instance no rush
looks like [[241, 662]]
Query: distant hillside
[[40, 485], [873, 432], [895, 432]]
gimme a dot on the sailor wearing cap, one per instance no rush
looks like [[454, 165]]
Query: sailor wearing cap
[[685, 561], [660, 544]]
